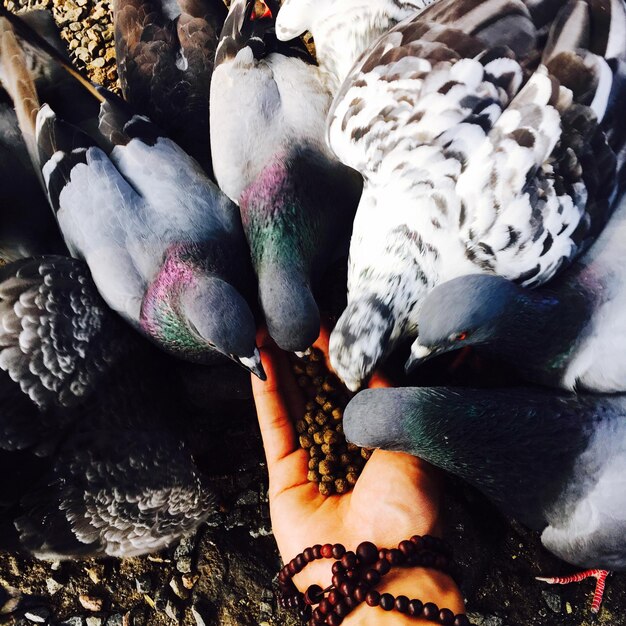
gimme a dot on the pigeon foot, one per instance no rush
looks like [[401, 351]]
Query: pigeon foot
[[601, 576]]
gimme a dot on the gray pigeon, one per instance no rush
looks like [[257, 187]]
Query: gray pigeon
[[489, 137], [297, 201], [86, 424], [165, 247], [342, 30], [165, 52], [555, 462]]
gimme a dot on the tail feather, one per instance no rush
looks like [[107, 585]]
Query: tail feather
[[247, 27]]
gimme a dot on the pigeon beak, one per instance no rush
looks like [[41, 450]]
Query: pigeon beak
[[419, 354], [252, 364]]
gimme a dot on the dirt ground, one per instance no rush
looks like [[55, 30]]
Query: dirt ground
[[226, 574]]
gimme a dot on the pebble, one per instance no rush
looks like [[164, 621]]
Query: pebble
[[76, 620], [172, 611], [117, 619], [553, 600], [39, 614], [189, 580], [53, 586], [178, 588], [485, 620], [183, 565], [91, 603], [94, 621]]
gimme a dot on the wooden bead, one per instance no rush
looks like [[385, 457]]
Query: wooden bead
[[382, 566], [387, 602], [406, 547], [317, 551], [348, 560], [327, 551], [372, 577], [338, 551], [415, 608], [446, 617], [313, 594], [372, 598], [431, 611], [402, 604], [462, 620], [367, 553], [309, 555]]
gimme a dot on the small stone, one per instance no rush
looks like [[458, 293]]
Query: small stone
[[76, 620], [312, 476], [172, 611], [553, 601], [38, 614], [183, 565], [91, 603], [177, 587], [143, 584], [99, 62], [305, 441], [325, 468], [94, 621], [53, 586], [92, 46], [326, 489], [117, 619], [477, 619], [568, 608], [189, 580]]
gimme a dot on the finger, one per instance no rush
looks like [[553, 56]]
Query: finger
[[277, 401]]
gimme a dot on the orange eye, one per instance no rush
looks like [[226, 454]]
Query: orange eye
[[461, 336], [260, 11]]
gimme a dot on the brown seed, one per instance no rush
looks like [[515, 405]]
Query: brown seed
[[326, 467], [312, 370], [312, 429], [328, 479], [352, 447], [315, 451], [328, 407], [337, 414], [321, 419], [345, 459], [305, 441], [301, 426], [314, 462], [310, 406], [327, 448], [352, 477], [341, 485], [365, 453], [339, 428], [331, 437], [326, 489], [309, 417], [320, 399], [313, 476], [328, 386], [298, 369], [332, 458], [352, 469], [318, 437], [318, 381]]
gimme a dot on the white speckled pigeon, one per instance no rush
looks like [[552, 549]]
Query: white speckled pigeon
[[165, 52], [489, 138], [297, 201], [86, 423], [556, 462], [570, 334], [342, 30], [165, 247]]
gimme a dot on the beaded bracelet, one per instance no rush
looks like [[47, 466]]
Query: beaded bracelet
[[355, 574]]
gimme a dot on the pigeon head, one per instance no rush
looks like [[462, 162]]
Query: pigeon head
[[358, 341], [194, 313], [469, 310]]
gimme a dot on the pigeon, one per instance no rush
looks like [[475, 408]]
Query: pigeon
[[491, 141], [297, 201], [569, 334], [342, 30], [86, 426], [165, 247], [554, 461], [165, 52]]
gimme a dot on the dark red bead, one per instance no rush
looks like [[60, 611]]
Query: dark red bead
[[313, 595], [382, 567], [338, 551], [382, 553], [406, 547], [387, 602], [360, 592], [367, 553], [402, 604], [431, 611], [327, 551], [342, 609], [462, 620], [347, 589], [283, 576], [325, 607], [334, 597], [334, 620], [446, 617], [372, 577], [372, 598], [353, 575], [348, 560], [293, 570], [350, 603], [417, 541], [318, 615], [309, 555], [337, 579], [317, 550], [337, 568], [300, 562], [415, 608], [395, 557]]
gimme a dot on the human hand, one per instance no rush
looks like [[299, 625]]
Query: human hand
[[396, 496]]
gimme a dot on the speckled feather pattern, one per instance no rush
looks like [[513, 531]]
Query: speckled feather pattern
[[474, 160]]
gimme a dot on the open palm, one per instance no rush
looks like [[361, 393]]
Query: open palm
[[395, 497]]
